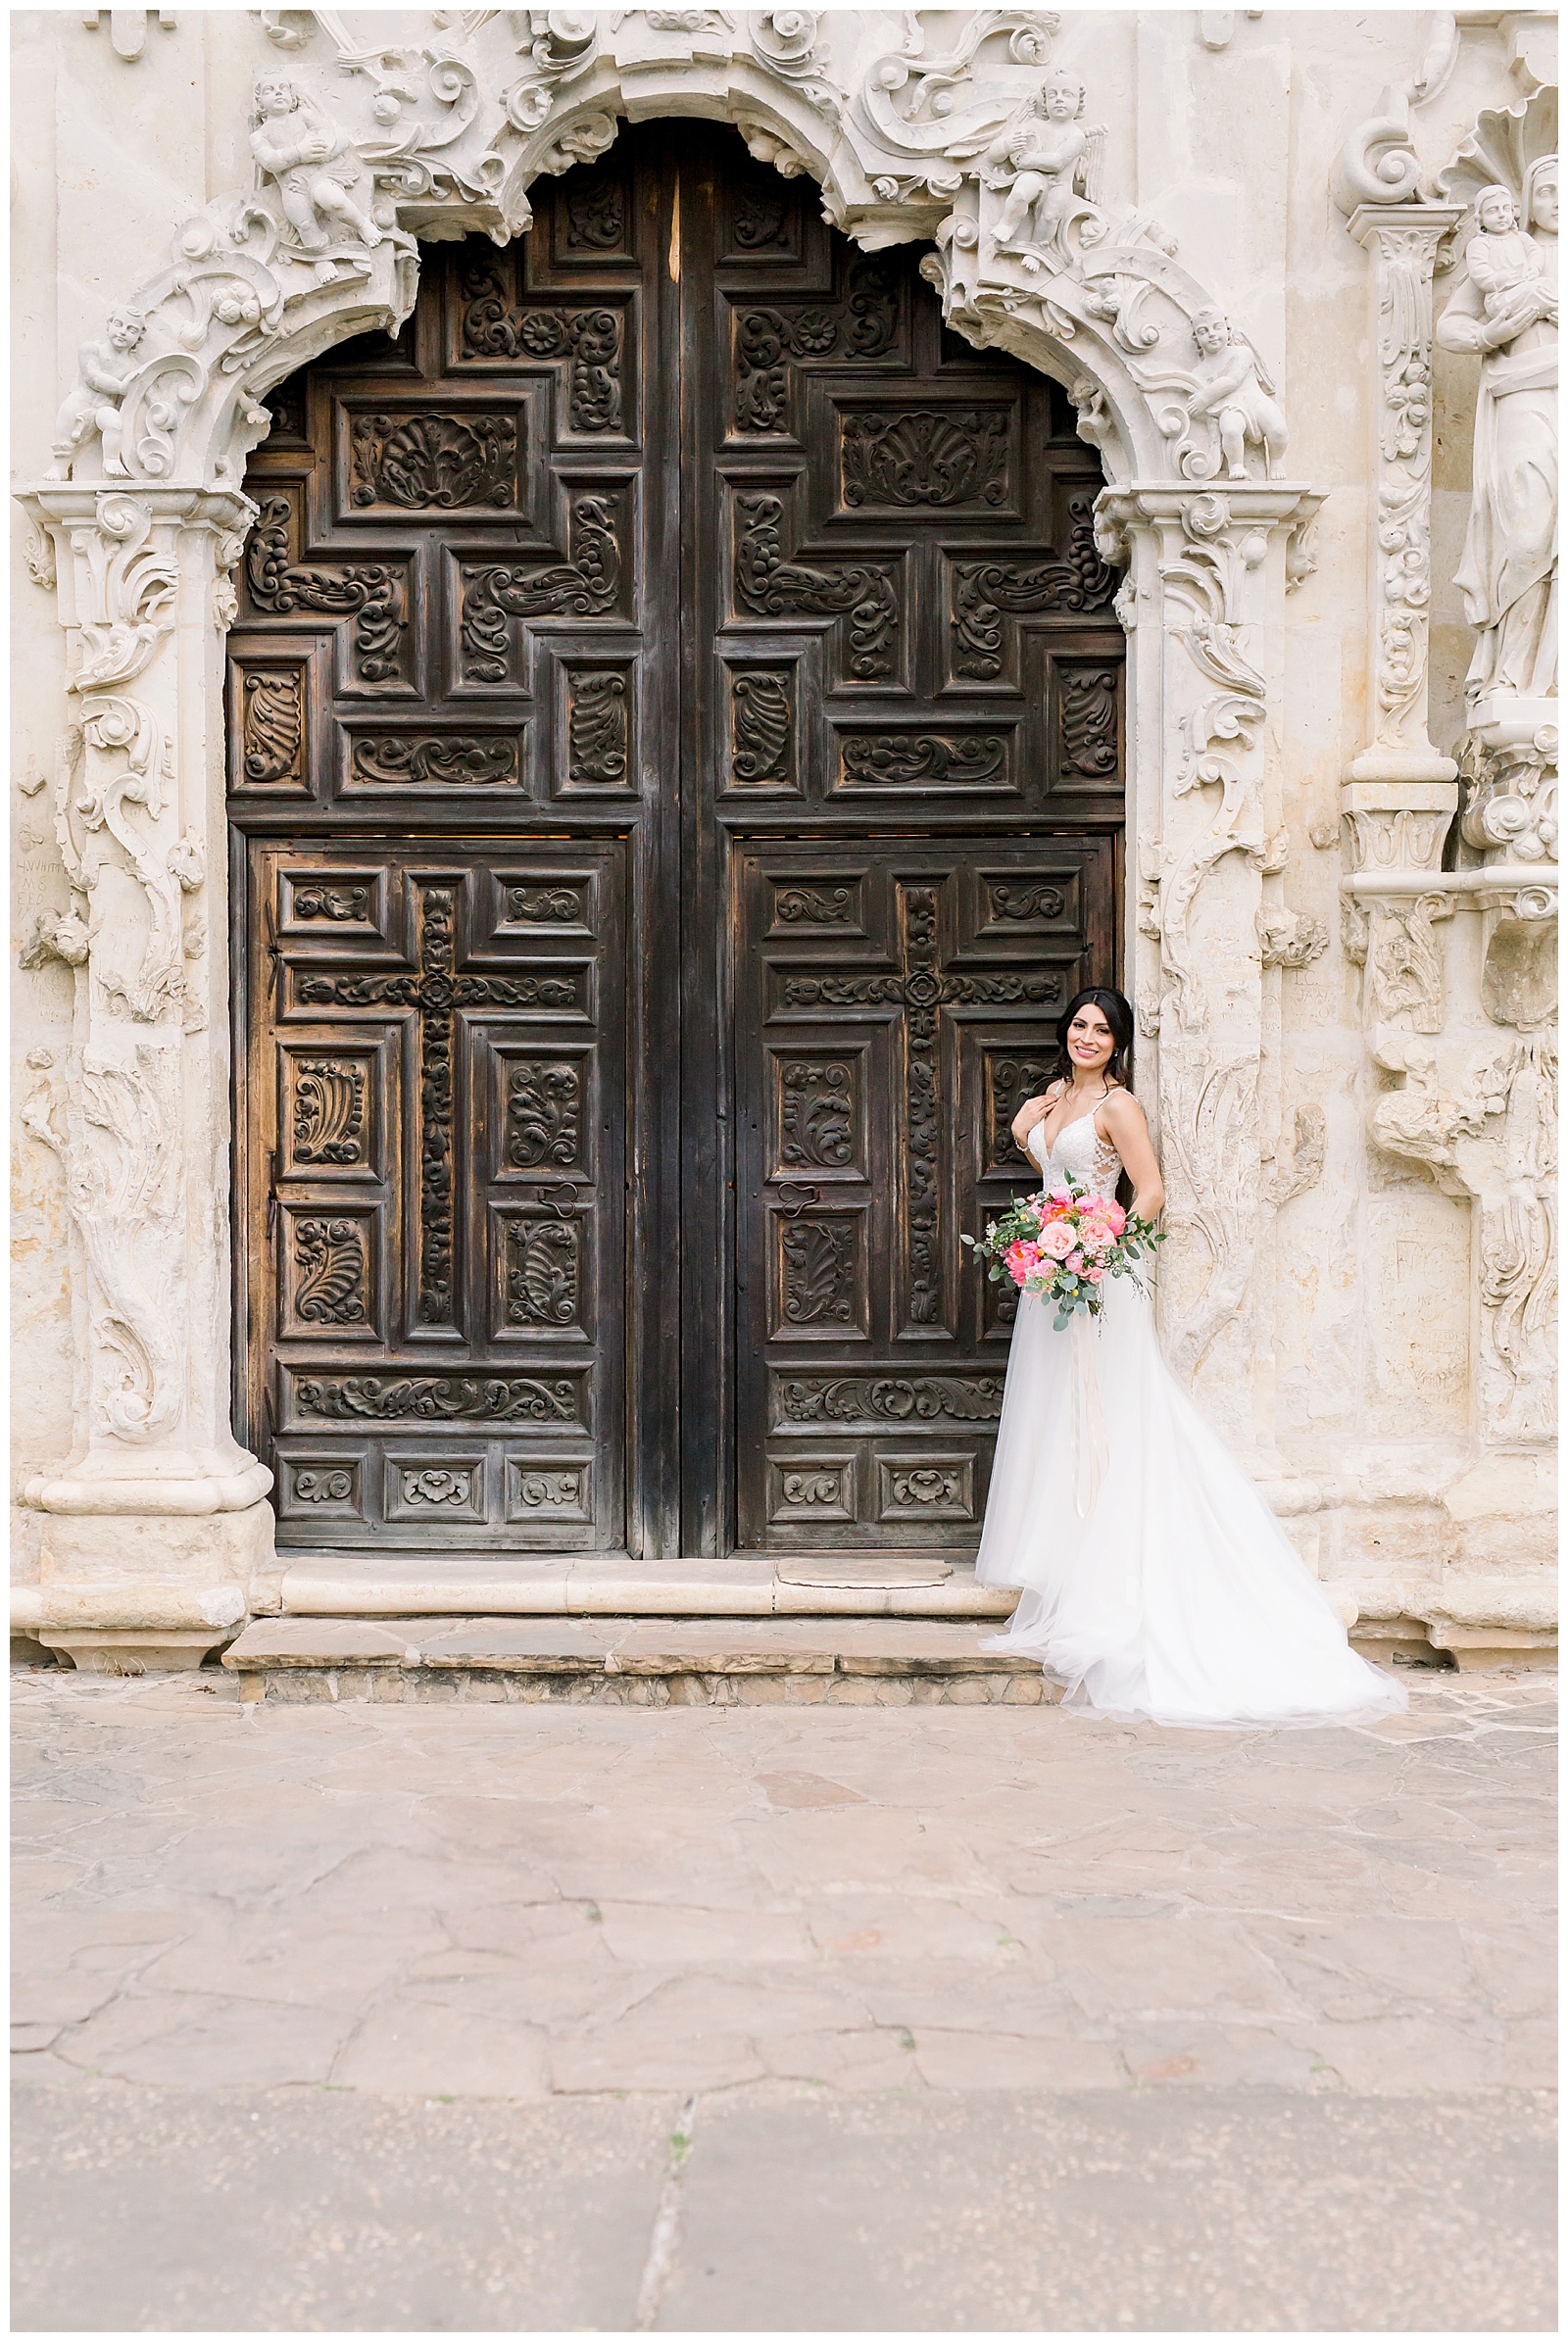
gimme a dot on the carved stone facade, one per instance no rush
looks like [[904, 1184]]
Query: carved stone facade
[[1343, 992]]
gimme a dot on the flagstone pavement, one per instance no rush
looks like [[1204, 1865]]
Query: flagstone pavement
[[399, 2017]]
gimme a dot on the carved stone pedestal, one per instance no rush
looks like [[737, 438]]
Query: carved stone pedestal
[[129, 1594]]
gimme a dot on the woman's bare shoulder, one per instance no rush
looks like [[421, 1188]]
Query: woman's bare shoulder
[[1121, 1106]]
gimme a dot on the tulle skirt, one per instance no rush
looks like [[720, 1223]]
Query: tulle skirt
[[1173, 1593]]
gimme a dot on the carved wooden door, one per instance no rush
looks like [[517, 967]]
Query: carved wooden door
[[676, 775]]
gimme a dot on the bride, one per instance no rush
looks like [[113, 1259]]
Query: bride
[[1155, 1580]]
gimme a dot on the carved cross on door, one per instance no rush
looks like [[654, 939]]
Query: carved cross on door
[[930, 978], [437, 993]]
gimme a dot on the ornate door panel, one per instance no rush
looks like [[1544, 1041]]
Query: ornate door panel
[[451, 734], [437, 1062], [890, 1013], [676, 718], [906, 850]]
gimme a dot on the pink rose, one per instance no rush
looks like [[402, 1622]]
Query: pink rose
[[1116, 1218], [1094, 1276], [1056, 1240], [1075, 1262], [1021, 1260]]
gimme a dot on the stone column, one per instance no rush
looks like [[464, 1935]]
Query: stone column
[[1459, 973], [1400, 793], [1204, 605], [156, 1529]]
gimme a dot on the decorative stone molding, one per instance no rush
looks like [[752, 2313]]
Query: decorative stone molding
[[136, 1109], [1404, 242], [357, 154], [1208, 577], [1476, 1107], [1378, 163], [1483, 1117], [129, 27]]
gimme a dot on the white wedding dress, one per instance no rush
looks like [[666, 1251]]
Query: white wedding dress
[[1155, 1580]]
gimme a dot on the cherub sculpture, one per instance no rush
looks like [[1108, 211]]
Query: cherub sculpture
[[1049, 164], [293, 144], [1235, 393], [93, 406], [1507, 268]]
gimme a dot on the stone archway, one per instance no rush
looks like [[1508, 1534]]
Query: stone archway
[[157, 1530]]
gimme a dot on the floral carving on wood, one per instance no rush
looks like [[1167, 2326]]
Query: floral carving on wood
[[433, 462], [585, 585]]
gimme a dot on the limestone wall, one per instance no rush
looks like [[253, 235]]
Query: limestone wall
[[1331, 1249]]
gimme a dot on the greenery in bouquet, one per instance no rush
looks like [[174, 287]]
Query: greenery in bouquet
[[1066, 1245]]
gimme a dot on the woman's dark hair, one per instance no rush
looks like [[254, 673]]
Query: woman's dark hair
[[1118, 1014]]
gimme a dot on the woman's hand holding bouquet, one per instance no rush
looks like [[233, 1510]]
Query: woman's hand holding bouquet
[[1064, 1244]]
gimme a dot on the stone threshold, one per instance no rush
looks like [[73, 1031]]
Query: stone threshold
[[610, 1586], [632, 1662]]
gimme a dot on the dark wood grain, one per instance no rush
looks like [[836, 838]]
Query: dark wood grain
[[676, 775]]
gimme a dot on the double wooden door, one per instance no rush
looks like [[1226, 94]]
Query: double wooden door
[[677, 778]]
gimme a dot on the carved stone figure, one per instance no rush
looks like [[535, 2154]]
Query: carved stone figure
[[1235, 394], [1049, 166], [294, 144], [1505, 311], [92, 409]]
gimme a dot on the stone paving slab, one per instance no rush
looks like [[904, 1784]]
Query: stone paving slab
[[1230, 2211], [854, 1920]]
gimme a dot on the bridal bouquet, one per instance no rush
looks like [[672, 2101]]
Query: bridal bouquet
[[1063, 1245]]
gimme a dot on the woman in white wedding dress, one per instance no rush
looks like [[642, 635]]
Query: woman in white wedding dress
[[1155, 1580]]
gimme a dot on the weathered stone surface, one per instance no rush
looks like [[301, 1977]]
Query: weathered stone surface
[[1343, 1027]]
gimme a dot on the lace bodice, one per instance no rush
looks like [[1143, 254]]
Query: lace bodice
[[1079, 1153]]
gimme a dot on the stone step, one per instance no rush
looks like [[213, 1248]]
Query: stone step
[[631, 1662], [609, 1586]]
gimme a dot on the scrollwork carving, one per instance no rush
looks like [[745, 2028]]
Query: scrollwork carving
[[587, 585], [921, 759], [590, 339], [817, 1260], [441, 1398], [816, 1115], [371, 592], [457, 760], [329, 1124], [330, 1273], [865, 324], [596, 729], [543, 1116], [763, 726], [273, 728], [874, 1400], [766, 585], [543, 1271], [985, 591]]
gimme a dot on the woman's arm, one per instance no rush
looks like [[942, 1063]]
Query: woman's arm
[[1033, 1111], [1121, 1119]]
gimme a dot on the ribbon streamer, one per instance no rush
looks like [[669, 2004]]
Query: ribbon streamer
[[1090, 1447]]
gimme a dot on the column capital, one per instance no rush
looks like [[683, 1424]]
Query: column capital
[[1370, 222]]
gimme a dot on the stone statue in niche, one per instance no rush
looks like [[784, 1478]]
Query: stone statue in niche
[[1050, 164], [1236, 395], [294, 144], [1505, 311], [92, 410]]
